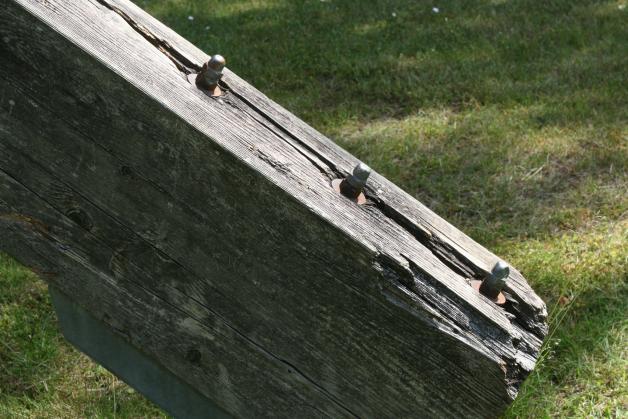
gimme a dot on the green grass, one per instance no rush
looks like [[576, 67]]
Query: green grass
[[508, 118], [42, 376]]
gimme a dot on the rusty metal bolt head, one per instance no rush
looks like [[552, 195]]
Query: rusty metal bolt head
[[360, 175], [352, 185], [211, 73], [495, 282]]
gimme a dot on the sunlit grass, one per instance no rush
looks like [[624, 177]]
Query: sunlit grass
[[508, 118], [584, 370]]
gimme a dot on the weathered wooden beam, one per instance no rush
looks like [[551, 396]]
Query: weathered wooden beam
[[205, 233]]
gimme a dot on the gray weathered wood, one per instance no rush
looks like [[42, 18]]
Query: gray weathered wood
[[199, 226]]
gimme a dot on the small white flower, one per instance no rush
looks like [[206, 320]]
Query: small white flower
[[394, 14], [206, 28], [621, 6], [190, 18], [435, 9]]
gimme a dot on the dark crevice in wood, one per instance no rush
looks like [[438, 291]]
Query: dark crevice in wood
[[525, 317], [180, 61], [332, 172], [123, 333], [445, 253], [431, 295], [276, 130], [321, 389], [434, 291]]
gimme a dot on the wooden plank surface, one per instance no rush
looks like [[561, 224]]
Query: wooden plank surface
[[220, 212]]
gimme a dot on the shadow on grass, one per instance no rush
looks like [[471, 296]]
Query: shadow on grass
[[356, 59]]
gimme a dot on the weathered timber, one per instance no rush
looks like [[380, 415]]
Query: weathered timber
[[205, 233]]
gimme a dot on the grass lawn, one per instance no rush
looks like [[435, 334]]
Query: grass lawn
[[508, 118]]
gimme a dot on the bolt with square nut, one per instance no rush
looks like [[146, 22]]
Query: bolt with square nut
[[353, 185], [495, 282], [210, 75]]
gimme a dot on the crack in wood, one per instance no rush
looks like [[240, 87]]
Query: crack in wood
[[179, 60]]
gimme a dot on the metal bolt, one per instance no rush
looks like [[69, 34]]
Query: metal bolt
[[494, 283], [352, 185], [210, 74]]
